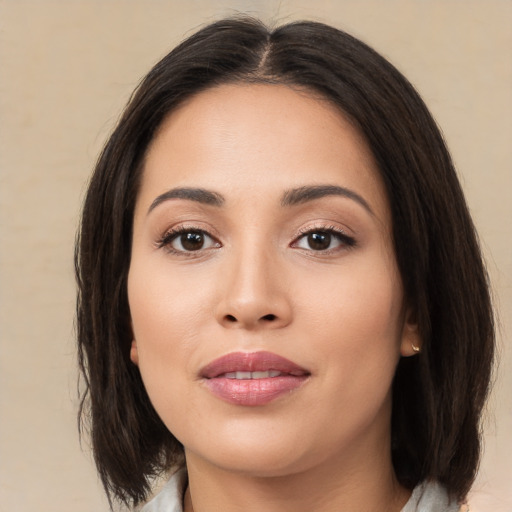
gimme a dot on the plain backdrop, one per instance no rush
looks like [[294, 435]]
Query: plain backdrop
[[67, 68]]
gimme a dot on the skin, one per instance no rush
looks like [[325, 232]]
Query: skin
[[257, 284]]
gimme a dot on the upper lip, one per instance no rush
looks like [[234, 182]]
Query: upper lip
[[251, 362]]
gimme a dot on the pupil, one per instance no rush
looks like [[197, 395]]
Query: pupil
[[319, 241], [192, 241]]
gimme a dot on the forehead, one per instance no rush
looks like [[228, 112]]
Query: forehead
[[259, 137]]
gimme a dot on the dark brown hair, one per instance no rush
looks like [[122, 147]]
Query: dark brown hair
[[438, 395]]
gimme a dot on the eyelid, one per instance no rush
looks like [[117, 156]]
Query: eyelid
[[347, 241], [165, 240], [170, 234]]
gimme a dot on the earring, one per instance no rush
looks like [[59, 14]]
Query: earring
[[415, 348]]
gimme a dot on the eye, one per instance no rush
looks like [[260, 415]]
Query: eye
[[323, 240], [186, 240]]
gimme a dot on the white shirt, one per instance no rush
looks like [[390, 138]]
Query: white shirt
[[426, 497]]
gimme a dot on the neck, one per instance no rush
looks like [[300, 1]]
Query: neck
[[363, 485]]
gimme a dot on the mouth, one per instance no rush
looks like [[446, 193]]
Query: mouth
[[252, 375], [252, 378]]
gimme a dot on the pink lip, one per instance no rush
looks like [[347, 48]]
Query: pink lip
[[256, 391]]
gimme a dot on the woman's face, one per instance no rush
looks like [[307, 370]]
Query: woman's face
[[267, 308]]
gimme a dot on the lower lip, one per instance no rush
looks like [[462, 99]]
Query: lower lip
[[251, 392]]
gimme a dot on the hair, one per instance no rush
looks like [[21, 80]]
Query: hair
[[438, 395]]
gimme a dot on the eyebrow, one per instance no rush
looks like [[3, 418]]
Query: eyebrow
[[291, 197], [310, 193], [199, 195]]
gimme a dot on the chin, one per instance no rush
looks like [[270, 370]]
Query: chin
[[257, 463], [269, 452]]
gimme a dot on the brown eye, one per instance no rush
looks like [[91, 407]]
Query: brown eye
[[319, 241], [192, 241], [187, 241], [324, 240]]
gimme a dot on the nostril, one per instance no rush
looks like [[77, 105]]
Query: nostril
[[231, 319]]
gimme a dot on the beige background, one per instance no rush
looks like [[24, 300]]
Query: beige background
[[67, 68]]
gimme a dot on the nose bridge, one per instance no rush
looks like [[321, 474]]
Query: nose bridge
[[255, 292]]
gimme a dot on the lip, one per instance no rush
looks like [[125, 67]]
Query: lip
[[252, 391]]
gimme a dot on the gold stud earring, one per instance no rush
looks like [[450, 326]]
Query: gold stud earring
[[415, 348]]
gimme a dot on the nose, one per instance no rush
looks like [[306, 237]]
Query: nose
[[255, 294]]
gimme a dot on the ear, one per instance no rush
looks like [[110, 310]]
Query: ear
[[134, 353], [411, 340]]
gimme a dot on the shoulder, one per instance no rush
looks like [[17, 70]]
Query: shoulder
[[431, 497], [170, 498]]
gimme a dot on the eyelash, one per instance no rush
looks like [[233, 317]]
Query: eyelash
[[169, 236], [346, 241]]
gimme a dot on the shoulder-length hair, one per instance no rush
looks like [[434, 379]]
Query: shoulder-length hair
[[438, 395]]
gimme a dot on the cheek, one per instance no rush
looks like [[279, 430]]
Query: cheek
[[358, 324], [165, 304], [361, 305], [165, 326], [166, 321]]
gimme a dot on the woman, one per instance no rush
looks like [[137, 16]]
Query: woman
[[280, 287]]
